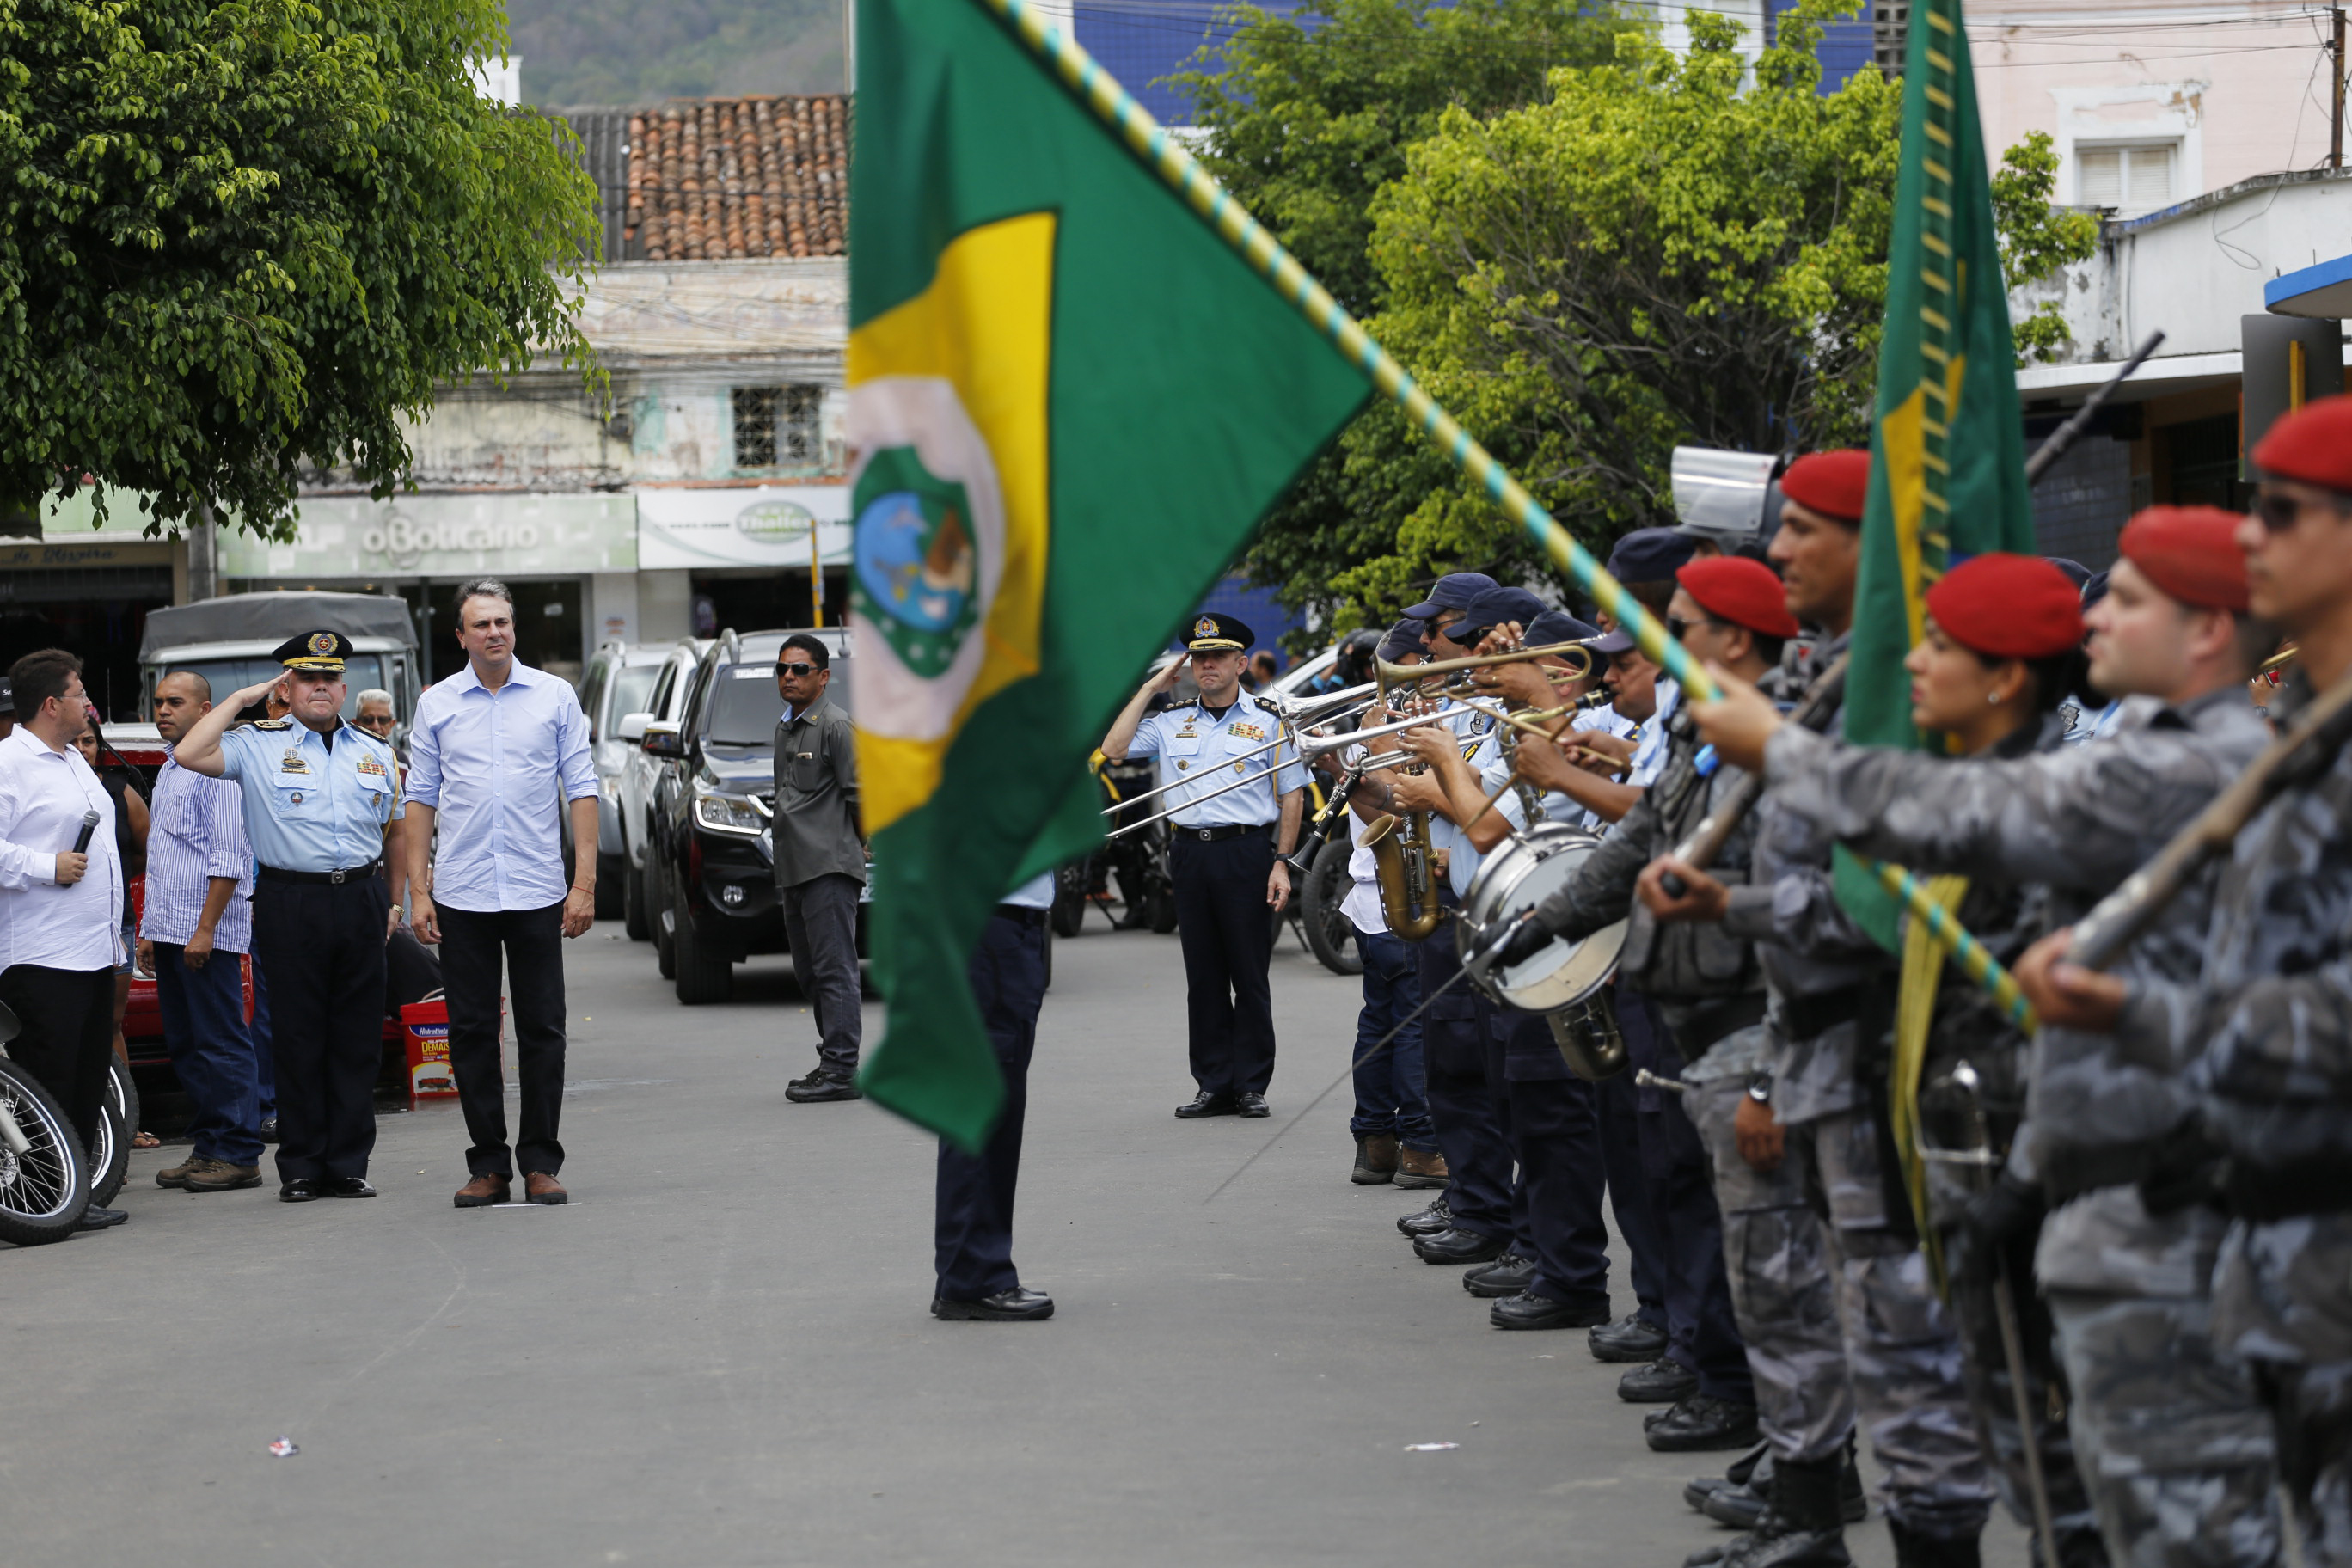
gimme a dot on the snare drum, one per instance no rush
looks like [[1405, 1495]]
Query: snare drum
[[1516, 877]]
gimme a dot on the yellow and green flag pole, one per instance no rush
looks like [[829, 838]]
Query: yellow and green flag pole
[[1167, 157]]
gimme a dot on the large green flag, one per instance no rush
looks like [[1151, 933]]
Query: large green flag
[[1947, 454], [1070, 403]]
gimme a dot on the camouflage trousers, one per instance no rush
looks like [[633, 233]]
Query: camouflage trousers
[[1976, 1288], [1902, 1348], [1783, 1290], [2172, 1441]]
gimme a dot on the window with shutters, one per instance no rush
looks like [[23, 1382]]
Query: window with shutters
[[2129, 176]]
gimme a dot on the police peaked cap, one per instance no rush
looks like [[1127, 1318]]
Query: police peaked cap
[[321, 651], [1213, 633]]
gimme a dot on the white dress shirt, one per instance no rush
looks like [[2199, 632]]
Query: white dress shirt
[[499, 768], [196, 833], [44, 795]]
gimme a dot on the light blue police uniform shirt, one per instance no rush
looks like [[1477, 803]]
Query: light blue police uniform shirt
[[493, 766], [309, 807], [1481, 747], [1036, 893], [1650, 743], [1198, 750]]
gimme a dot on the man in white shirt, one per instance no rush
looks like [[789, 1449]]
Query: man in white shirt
[[491, 749], [61, 897], [194, 923]]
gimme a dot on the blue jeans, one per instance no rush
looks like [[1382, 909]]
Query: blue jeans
[[1391, 1096], [211, 1054], [265, 1062]]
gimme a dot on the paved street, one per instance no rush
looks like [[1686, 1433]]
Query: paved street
[[719, 1353]]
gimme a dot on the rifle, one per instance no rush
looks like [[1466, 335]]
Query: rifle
[[1819, 706], [2306, 748], [2063, 438]]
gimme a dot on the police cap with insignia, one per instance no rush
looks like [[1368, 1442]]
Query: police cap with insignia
[[321, 651], [1213, 633]]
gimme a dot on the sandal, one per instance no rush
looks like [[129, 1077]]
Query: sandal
[[142, 1139]]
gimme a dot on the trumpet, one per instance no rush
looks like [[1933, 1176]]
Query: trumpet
[[1387, 676]]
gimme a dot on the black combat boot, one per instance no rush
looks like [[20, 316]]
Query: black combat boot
[[1800, 1530], [1913, 1550]]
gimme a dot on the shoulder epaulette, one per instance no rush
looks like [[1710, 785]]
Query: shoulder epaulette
[[1267, 703], [1188, 702], [273, 723]]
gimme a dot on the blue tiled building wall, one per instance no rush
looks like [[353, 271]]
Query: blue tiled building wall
[[1847, 47], [1139, 41]]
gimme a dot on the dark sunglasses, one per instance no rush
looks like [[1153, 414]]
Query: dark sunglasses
[[371, 720], [2278, 513], [796, 671], [1677, 627]]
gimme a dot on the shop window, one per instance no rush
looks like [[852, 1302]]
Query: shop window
[[2132, 176], [779, 427]]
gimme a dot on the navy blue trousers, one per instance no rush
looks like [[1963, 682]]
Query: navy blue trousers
[[1701, 1332], [1392, 1088], [1461, 1111], [1631, 1198], [323, 946], [1553, 1119], [1228, 935], [975, 1214], [212, 1051]]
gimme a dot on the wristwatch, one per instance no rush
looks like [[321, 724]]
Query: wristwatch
[[1759, 1089]]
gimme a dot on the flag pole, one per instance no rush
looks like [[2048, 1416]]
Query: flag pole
[[1167, 157]]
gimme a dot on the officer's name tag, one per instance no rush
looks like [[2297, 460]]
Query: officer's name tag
[[1246, 731]]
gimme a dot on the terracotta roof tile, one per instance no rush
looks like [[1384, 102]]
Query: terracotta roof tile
[[717, 179]]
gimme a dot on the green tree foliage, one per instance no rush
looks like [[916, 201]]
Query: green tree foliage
[[2037, 239], [247, 238], [1650, 251]]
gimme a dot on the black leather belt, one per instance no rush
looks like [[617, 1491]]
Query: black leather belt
[[1218, 834], [332, 878], [1022, 914], [1806, 1017]]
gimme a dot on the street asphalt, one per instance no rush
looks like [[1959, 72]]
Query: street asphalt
[[720, 1355]]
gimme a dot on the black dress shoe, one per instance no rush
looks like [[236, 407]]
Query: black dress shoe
[[1701, 1422], [1528, 1310], [97, 1218], [1207, 1104], [270, 1129], [1018, 1305], [1662, 1381], [819, 1088], [1457, 1247], [1506, 1275], [300, 1190], [1428, 1221], [1627, 1340], [345, 1187], [1248, 1104]]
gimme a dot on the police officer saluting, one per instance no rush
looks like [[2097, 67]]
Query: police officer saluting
[[321, 799], [1224, 855]]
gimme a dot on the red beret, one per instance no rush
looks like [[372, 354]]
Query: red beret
[[2007, 606], [2313, 444], [2189, 551], [1835, 484], [1743, 592]]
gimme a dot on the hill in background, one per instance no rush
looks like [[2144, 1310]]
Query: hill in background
[[626, 52]]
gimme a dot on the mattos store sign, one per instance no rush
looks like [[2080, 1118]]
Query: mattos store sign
[[766, 525], [446, 536]]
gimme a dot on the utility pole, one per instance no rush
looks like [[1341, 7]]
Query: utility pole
[[2336, 70]]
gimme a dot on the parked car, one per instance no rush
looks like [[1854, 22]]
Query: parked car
[[710, 861], [634, 791], [229, 642], [619, 681]]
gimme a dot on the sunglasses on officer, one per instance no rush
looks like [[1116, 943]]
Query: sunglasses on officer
[[2278, 513], [381, 723], [797, 670]]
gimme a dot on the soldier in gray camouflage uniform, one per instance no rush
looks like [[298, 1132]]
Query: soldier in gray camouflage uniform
[[1816, 1122], [2265, 1030]]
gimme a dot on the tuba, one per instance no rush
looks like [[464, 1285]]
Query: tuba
[[1589, 1039]]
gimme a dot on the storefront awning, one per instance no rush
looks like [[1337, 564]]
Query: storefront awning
[[2324, 291]]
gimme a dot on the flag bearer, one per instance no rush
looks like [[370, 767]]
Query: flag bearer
[[1225, 856]]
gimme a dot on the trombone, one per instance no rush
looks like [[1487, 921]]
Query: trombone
[[1345, 710], [1310, 749], [1387, 675]]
